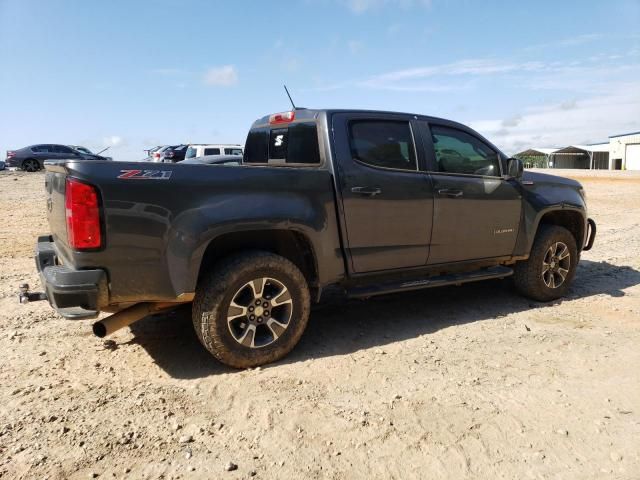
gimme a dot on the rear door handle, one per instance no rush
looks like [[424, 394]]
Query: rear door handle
[[368, 191], [448, 192]]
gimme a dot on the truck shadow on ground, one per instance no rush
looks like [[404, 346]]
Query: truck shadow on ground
[[340, 326]]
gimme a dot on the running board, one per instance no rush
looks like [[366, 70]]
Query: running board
[[430, 282]]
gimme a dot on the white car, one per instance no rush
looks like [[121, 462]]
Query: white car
[[196, 150]]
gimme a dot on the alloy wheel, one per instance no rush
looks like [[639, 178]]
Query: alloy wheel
[[260, 312], [30, 166], [556, 265]]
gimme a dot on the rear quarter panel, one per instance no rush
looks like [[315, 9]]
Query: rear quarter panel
[[157, 230]]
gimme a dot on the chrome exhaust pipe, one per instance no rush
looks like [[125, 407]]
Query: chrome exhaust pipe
[[126, 317]]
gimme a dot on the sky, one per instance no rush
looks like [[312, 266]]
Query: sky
[[134, 74]]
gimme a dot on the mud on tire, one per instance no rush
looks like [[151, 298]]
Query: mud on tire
[[551, 267], [251, 309]]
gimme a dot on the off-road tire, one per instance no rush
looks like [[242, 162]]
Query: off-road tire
[[528, 275], [215, 292]]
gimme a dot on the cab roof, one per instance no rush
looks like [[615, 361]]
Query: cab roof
[[306, 114]]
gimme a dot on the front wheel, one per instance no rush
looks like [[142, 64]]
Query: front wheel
[[251, 309], [549, 271]]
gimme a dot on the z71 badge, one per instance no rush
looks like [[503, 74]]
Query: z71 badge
[[145, 174]]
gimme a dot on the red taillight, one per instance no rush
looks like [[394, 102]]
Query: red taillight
[[156, 155], [10, 154], [83, 215], [284, 117]]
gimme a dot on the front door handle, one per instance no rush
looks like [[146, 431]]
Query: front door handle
[[448, 192], [368, 191]]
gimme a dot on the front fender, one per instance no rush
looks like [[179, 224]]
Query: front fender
[[543, 194]]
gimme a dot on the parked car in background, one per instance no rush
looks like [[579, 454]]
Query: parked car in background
[[202, 149], [32, 158], [214, 160], [157, 154], [173, 154], [86, 151], [1, 164], [149, 153]]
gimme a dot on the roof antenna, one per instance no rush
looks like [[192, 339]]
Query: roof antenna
[[290, 99]]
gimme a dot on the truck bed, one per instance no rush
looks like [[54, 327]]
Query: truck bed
[[159, 219]]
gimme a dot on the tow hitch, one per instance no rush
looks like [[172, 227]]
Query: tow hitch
[[25, 296]]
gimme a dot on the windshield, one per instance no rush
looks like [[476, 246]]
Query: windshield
[[83, 150], [191, 153]]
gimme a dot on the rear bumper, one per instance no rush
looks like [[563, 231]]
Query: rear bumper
[[73, 293], [591, 234]]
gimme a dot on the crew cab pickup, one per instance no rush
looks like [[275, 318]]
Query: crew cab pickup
[[371, 202]]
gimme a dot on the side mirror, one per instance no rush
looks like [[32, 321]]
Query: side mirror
[[515, 168]]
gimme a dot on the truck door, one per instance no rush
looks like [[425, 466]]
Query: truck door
[[387, 199], [476, 210]]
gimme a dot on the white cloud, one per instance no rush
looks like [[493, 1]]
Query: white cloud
[[361, 6], [568, 42], [224, 76], [405, 80], [113, 141], [595, 77], [590, 120], [568, 104], [512, 122], [462, 67]]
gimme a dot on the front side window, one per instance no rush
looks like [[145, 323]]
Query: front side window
[[383, 143], [459, 152], [211, 151]]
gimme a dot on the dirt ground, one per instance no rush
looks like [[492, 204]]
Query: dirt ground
[[459, 382]]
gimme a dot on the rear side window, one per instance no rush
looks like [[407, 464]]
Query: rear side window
[[40, 149], [211, 151], [233, 151], [383, 143], [61, 149], [295, 144]]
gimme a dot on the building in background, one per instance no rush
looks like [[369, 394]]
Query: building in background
[[624, 151], [536, 157], [588, 157]]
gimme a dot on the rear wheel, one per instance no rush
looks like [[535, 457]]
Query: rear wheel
[[251, 309], [30, 165], [551, 267]]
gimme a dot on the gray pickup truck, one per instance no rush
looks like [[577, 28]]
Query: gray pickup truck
[[371, 202]]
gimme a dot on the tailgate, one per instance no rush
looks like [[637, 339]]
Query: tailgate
[[55, 179]]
